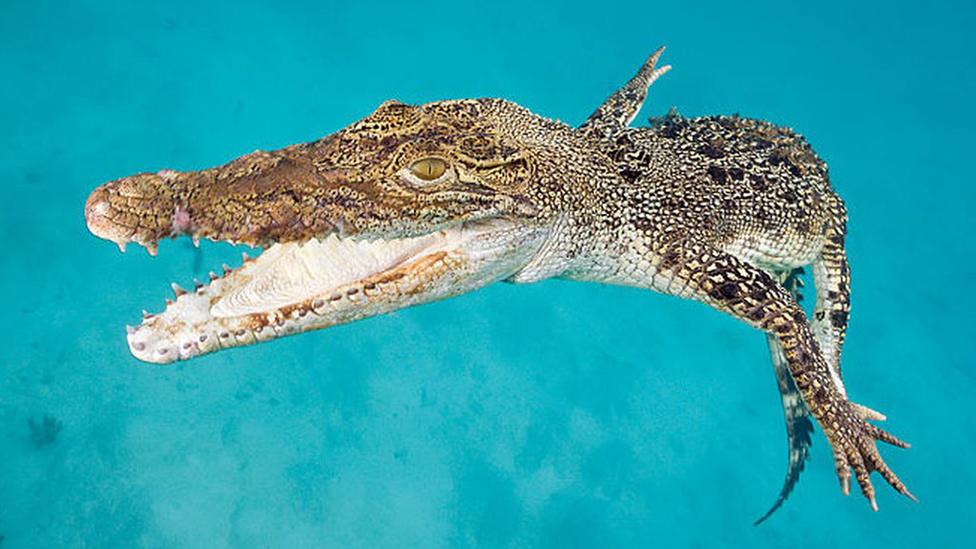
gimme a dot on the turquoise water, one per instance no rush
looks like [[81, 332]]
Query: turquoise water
[[552, 415]]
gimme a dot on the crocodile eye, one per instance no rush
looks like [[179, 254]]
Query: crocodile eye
[[428, 169]]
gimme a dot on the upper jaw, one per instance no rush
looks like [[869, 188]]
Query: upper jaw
[[149, 207]]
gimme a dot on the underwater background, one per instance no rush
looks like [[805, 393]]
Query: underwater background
[[557, 414]]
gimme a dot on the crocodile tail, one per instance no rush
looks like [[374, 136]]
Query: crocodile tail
[[799, 427]]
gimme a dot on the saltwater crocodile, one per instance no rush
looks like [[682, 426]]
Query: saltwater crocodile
[[418, 203]]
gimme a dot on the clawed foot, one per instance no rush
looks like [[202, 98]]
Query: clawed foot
[[853, 441]]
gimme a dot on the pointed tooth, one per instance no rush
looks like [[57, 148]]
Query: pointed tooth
[[197, 284], [196, 241], [226, 269], [130, 329], [213, 276], [169, 302], [121, 246], [244, 257], [177, 290], [152, 248], [146, 315], [340, 226]]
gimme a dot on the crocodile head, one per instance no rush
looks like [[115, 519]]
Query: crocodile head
[[409, 205]]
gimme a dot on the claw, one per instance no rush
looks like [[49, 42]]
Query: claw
[[868, 413], [884, 436]]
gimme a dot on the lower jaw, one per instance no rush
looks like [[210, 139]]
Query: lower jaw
[[189, 326]]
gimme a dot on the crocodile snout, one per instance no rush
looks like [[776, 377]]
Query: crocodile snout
[[132, 209]]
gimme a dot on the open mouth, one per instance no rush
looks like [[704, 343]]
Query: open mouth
[[338, 246], [300, 286]]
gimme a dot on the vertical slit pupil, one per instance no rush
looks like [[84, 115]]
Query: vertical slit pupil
[[429, 169]]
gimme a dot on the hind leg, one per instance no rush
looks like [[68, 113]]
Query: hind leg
[[832, 278], [752, 295]]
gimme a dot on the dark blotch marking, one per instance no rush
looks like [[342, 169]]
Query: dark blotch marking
[[717, 174], [838, 319], [671, 129], [800, 317], [670, 259], [729, 290], [711, 151], [630, 175], [759, 182]]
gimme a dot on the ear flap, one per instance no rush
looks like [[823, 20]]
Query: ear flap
[[619, 110], [497, 160]]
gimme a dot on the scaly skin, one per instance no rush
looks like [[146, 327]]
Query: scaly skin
[[418, 203]]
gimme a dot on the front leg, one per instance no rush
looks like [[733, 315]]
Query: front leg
[[698, 271]]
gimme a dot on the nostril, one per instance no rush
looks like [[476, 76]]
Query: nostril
[[98, 212], [99, 208], [97, 204]]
